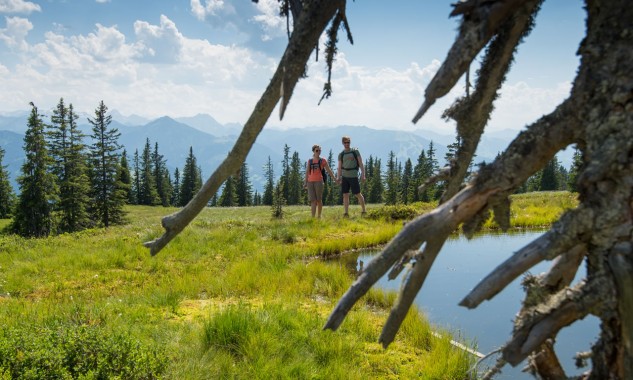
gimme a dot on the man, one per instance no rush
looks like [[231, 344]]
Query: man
[[349, 161]]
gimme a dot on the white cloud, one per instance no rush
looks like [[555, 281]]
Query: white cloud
[[14, 35], [159, 43], [18, 6], [273, 24], [520, 104], [209, 8], [102, 1], [107, 44]]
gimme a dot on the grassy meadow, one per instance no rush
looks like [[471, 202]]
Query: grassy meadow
[[236, 295]]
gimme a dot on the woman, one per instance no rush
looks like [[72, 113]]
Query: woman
[[314, 180]]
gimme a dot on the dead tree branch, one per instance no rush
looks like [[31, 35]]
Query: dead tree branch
[[562, 237], [538, 144], [313, 20], [480, 23]]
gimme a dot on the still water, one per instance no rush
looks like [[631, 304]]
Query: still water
[[457, 269]]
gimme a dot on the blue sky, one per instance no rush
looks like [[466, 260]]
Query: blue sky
[[183, 57]]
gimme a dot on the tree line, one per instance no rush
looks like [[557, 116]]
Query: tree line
[[67, 185]]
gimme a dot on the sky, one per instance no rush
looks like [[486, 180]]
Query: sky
[[180, 58]]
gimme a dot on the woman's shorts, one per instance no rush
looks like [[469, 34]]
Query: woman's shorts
[[315, 191]]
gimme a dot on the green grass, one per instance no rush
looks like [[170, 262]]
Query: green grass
[[236, 295]]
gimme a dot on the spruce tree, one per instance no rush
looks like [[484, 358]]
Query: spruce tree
[[405, 181], [69, 165], [7, 196], [392, 196], [549, 177], [161, 177], [125, 178], [433, 191], [149, 194], [191, 180], [576, 166], [417, 178], [269, 173], [295, 180], [108, 194], [330, 196], [136, 186], [285, 172], [175, 194], [376, 187], [38, 191], [244, 188], [228, 198]]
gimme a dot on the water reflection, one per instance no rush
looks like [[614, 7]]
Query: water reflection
[[458, 268]]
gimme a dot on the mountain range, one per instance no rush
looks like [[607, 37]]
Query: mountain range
[[211, 141]]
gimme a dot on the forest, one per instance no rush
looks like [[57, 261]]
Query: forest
[[67, 184]]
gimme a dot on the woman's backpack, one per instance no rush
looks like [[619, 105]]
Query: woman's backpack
[[323, 173]]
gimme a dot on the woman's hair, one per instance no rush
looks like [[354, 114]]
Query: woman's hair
[[315, 146]]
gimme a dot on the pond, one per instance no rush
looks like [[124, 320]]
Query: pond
[[458, 268]]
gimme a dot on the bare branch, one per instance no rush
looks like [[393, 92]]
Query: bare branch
[[477, 28], [545, 321], [309, 27], [562, 237], [472, 112], [544, 138], [410, 288]]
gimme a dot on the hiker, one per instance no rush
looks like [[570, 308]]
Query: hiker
[[349, 161], [315, 178]]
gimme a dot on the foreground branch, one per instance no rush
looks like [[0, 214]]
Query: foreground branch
[[563, 236], [539, 144], [311, 24]]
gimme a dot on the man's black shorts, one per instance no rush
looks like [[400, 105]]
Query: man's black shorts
[[348, 183]]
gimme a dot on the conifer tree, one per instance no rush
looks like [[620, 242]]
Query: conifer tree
[[244, 189], [418, 178], [191, 180], [125, 178], [576, 166], [136, 187], [175, 194], [108, 194], [38, 190], [549, 178], [330, 197], [433, 191], [376, 188], [161, 176], [295, 180], [278, 200], [67, 150], [392, 195], [405, 181], [285, 172], [269, 172], [149, 194], [228, 198], [257, 198], [7, 196]]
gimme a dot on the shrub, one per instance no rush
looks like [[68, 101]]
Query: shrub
[[394, 212], [87, 352]]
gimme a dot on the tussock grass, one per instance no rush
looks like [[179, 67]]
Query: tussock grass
[[538, 209], [236, 295]]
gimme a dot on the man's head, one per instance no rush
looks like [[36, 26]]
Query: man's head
[[316, 148], [346, 141]]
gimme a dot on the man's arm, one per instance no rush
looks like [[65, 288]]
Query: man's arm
[[361, 166]]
